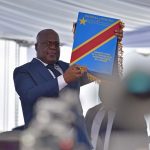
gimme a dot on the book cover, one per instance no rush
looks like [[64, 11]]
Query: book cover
[[95, 43]]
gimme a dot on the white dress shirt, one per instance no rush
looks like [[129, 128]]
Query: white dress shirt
[[61, 81], [96, 127]]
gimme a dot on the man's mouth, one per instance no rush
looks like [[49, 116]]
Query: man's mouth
[[51, 53]]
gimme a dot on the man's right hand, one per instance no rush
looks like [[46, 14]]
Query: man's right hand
[[73, 73]]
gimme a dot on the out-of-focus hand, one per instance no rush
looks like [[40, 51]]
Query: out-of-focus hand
[[74, 72]]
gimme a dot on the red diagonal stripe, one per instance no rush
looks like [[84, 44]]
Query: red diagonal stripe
[[94, 42]]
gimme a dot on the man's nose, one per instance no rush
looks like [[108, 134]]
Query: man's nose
[[52, 46]]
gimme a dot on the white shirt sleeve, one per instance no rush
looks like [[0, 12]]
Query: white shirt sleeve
[[61, 82]]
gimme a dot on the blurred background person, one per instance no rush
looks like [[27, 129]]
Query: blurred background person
[[100, 120], [122, 115]]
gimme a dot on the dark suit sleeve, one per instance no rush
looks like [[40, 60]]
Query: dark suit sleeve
[[29, 90]]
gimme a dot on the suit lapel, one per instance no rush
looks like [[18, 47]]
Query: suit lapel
[[63, 66], [92, 114], [38, 70]]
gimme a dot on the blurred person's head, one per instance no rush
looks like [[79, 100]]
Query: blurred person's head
[[137, 89], [138, 84], [136, 101], [109, 93], [48, 46]]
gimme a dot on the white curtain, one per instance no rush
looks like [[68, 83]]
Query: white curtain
[[11, 56]]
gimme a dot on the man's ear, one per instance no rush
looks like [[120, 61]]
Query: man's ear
[[36, 45]]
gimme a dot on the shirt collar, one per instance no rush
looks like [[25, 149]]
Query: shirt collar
[[41, 61], [45, 63]]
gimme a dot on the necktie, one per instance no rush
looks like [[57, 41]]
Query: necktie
[[53, 69]]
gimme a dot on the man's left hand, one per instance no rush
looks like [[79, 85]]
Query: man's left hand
[[119, 33]]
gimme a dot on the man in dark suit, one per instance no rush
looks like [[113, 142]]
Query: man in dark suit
[[46, 76]]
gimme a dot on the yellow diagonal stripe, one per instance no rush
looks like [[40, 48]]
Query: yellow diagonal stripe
[[93, 49], [95, 36]]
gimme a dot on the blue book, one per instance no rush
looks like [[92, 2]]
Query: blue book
[[95, 43]]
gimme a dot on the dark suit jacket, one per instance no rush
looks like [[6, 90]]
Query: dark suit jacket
[[33, 81]]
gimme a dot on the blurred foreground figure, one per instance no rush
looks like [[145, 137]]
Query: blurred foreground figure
[[118, 123], [136, 100], [54, 127], [133, 113]]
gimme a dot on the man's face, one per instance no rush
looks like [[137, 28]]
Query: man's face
[[47, 46]]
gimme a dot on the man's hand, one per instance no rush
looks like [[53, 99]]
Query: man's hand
[[74, 72], [119, 33]]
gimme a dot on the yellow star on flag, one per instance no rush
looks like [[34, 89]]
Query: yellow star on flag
[[83, 21]]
